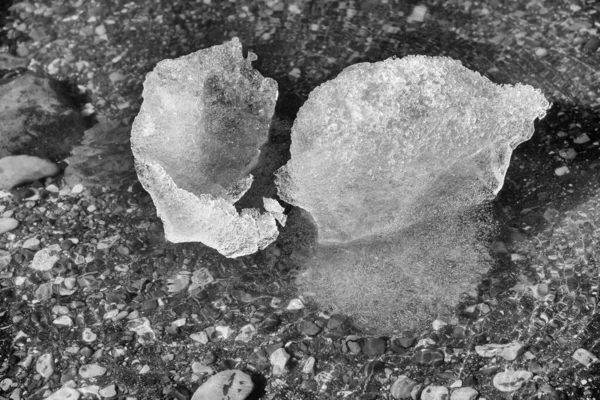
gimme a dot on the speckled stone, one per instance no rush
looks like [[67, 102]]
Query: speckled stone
[[91, 371], [374, 347], [279, 359], [508, 351], [432, 392], [402, 387], [309, 328], [226, 385], [429, 357], [509, 381], [464, 393], [65, 393]]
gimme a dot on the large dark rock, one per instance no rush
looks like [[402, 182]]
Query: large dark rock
[[37, 118]]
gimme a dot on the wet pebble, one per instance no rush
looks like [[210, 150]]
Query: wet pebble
[[5, 258], [63, 320], [432, 392], [374, 347], [91, 370], [200, 337], [88, 335], [45, 259], [402, 387], [108, 391], [141, 326], [200, 368], [295, 304], [508, 351], [45, 365], [32, 243], [464, 393], [309, 366], [309, 328], [65, 393], [279, 359], [8, 224], [247, 332], [428, 357], [585, 357], [353, 344], [226, 385], [509, 381]]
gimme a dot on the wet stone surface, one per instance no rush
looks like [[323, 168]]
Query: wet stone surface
[[96, 304]]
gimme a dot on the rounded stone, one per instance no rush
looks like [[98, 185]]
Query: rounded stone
[[434, 393], [8, 224], [464, 393], [374, 347], [402, 387], [509, 381], [226, 385]]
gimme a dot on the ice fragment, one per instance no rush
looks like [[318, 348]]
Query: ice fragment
[[195, 141], [389, 144]]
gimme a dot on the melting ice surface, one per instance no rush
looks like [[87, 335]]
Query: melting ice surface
[[389, 144], [379, 148], [195, 140]]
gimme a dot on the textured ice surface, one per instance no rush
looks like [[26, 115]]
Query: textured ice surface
[[195, 141], [389, 144]]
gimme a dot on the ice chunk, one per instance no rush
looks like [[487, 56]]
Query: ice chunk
[[273, 207], [196, 139], [393, 143]]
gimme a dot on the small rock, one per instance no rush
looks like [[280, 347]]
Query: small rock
[[464, 393], [45, 259], [432, 392], [141, 326], [509, 381], [541, 52], [199, 368], [88, 335], [108, 391], [200, 337], [91, 370], [226, 385], [224, 331], [438, 324], [65, 393], [585, 357], [374, 347], [32, 243], [560, 171], [428, 357], [353, 344], [402, 387], [8, 224], [5, 384], [415, 393], [15, 170], [45, 365], [583, 138], [246, 334], [279, 359], [309, 366], [5, 258], [63, 320], [44, 291], [90, 391], [567, 154], [295, 304], [78, 188], [508, 351], [310, 328]]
